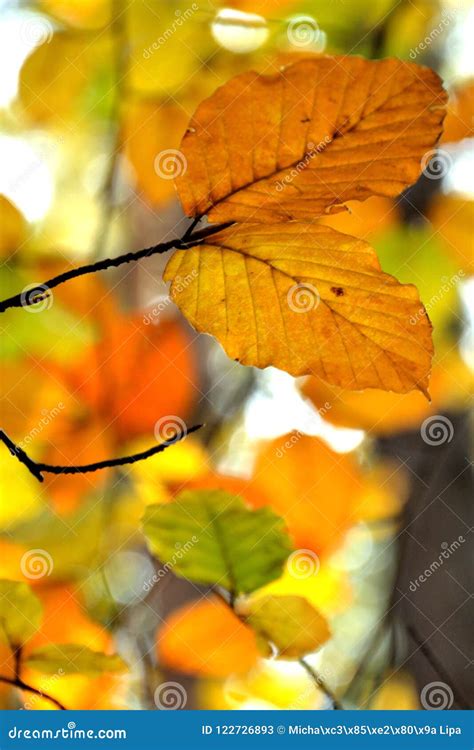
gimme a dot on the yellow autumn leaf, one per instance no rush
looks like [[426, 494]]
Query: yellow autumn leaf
[[290, 623], [306, 299], [304, 141]]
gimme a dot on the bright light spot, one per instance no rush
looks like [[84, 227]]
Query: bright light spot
[[278, 408], [20, 33], [460, 178], [239, 32], [357, 550], [461, 56], [25, 177], [127, 573]]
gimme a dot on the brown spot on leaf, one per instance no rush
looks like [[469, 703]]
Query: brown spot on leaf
[[337, 290]]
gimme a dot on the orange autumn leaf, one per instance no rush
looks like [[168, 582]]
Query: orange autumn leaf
[[66, 621], [381, 413], [151, 137], [459, 121], [315, 489], [452, 216], [306, 299], [304, 141], [135, 375], [365, 219], [207, 638]]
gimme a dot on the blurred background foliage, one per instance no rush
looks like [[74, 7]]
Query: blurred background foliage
[[92, 93]]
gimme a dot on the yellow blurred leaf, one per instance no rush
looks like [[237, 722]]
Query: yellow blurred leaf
[[20, 613], [290, 623]]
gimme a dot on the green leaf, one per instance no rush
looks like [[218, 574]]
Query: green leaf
[[73, 658], [20, 613], [210, 536], [290, 623]]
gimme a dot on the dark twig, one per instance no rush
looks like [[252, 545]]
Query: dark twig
[[319, 682], [15, 682], [37, 468], [43, 289]]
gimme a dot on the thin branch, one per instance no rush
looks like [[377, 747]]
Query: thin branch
[[15, 682], [38, 468], [319, 682], [42, 290]]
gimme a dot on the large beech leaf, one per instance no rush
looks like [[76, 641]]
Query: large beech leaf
[[210, 536], [308, 300], [20, 613], [302, 142], [73, 658], [290, 623]]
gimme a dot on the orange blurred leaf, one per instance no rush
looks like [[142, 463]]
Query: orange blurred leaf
[[207, 638]]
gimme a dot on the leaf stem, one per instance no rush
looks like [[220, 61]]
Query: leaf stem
[[319, 682], [38, 468], [17, 682]]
